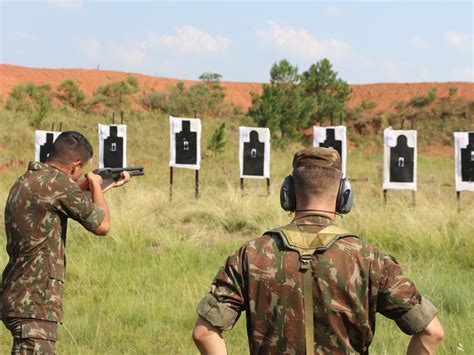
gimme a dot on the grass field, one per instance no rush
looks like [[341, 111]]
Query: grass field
[[135, 291]]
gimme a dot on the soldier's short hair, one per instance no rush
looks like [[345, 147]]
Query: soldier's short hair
[[71, 146], [317, 174], [315, 182]]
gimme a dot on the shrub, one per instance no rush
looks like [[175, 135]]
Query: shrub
[[452, 91], [154, 101], [201, 98], [115, 95], [71, 94], [421, 101], [367, 104], [33, 99], [217, 141]]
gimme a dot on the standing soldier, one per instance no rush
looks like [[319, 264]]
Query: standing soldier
[[311, 287], [38, 207]]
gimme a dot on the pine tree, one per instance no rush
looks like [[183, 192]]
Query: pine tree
[[217, 141]]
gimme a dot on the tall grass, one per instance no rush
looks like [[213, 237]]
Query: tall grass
[[135, 291]]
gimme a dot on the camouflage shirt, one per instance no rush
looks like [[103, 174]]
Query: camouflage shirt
[[352, 280], [36, 213]]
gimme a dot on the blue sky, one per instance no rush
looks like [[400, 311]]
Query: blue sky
[[367, 42]]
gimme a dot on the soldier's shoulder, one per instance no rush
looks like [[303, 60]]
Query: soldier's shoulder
[[354, 244], [262, 241]]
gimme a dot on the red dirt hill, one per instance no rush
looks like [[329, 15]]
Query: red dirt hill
[[384, 95]]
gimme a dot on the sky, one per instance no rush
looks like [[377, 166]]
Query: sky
[[367, 42]]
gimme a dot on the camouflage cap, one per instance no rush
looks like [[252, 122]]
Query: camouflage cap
[[326, 157]]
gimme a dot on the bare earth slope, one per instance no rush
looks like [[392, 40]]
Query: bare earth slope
[[384, 95]]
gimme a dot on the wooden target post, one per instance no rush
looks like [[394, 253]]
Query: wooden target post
[[242, 185], [196, 184]]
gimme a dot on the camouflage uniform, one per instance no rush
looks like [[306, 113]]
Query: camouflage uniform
[[352, 280], [36, 213]]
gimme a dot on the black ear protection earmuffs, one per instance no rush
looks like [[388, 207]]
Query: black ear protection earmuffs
[[343, 201]]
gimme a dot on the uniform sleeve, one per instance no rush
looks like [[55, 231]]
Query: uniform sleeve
[[75, 204], [222, 306], [399, 299]]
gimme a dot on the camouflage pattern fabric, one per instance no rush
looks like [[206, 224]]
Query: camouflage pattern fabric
[[31, 336], [352, 280], [36, 213]]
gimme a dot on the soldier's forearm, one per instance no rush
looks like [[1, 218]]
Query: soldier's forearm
[[427, 341], [98, 198], [208, 339]]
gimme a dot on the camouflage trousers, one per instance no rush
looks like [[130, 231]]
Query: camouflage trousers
[[32, 336]]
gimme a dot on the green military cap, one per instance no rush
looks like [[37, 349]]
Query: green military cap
[[326, 157]]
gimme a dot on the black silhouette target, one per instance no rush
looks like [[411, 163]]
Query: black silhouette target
[[113, 149], [46, 148], [467, 160], [186, 144], [331, 141], [44, 141], [254, 156], [112, 146], [402, 159]]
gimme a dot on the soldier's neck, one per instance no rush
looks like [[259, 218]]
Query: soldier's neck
[[317, 209]]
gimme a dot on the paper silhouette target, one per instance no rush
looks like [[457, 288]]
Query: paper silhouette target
[[399, 159], [44, 141], [332, 137], [254, 152], [185, 142], [112, 146], [402, 161], [464, 160]]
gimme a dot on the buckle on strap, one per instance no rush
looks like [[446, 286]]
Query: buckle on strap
[[305, 262]]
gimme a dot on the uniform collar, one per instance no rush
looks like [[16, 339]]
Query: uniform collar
[[313, 219], [36, 165]]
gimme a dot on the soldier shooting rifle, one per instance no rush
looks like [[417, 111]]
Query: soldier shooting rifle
[[38, 207]]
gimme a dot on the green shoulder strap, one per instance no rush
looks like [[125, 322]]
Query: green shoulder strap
[[306, 244]]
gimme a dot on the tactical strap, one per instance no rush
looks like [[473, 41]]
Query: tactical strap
[[306, 244], [308, 303]]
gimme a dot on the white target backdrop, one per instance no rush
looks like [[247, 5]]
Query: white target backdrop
[[254, 152], [43, 143], [112, 146], [400, 159], [185, 143], [464, 160], [333, 136]]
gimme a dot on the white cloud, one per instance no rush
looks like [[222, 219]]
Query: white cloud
[[333, 11], [463, 73], [129, 55], [300, 42], [71, 5], [459, 40], [419, 42], [138, 54], [23, 36], [190, 40], [90, 47]]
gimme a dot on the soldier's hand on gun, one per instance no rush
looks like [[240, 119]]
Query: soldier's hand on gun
[[95, 181], [124, 178]]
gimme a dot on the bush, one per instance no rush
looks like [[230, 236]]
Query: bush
[[154, 101], [201, 98], [115, 95], [33, 99], [217, 142], [71, 94], [421, 101]]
